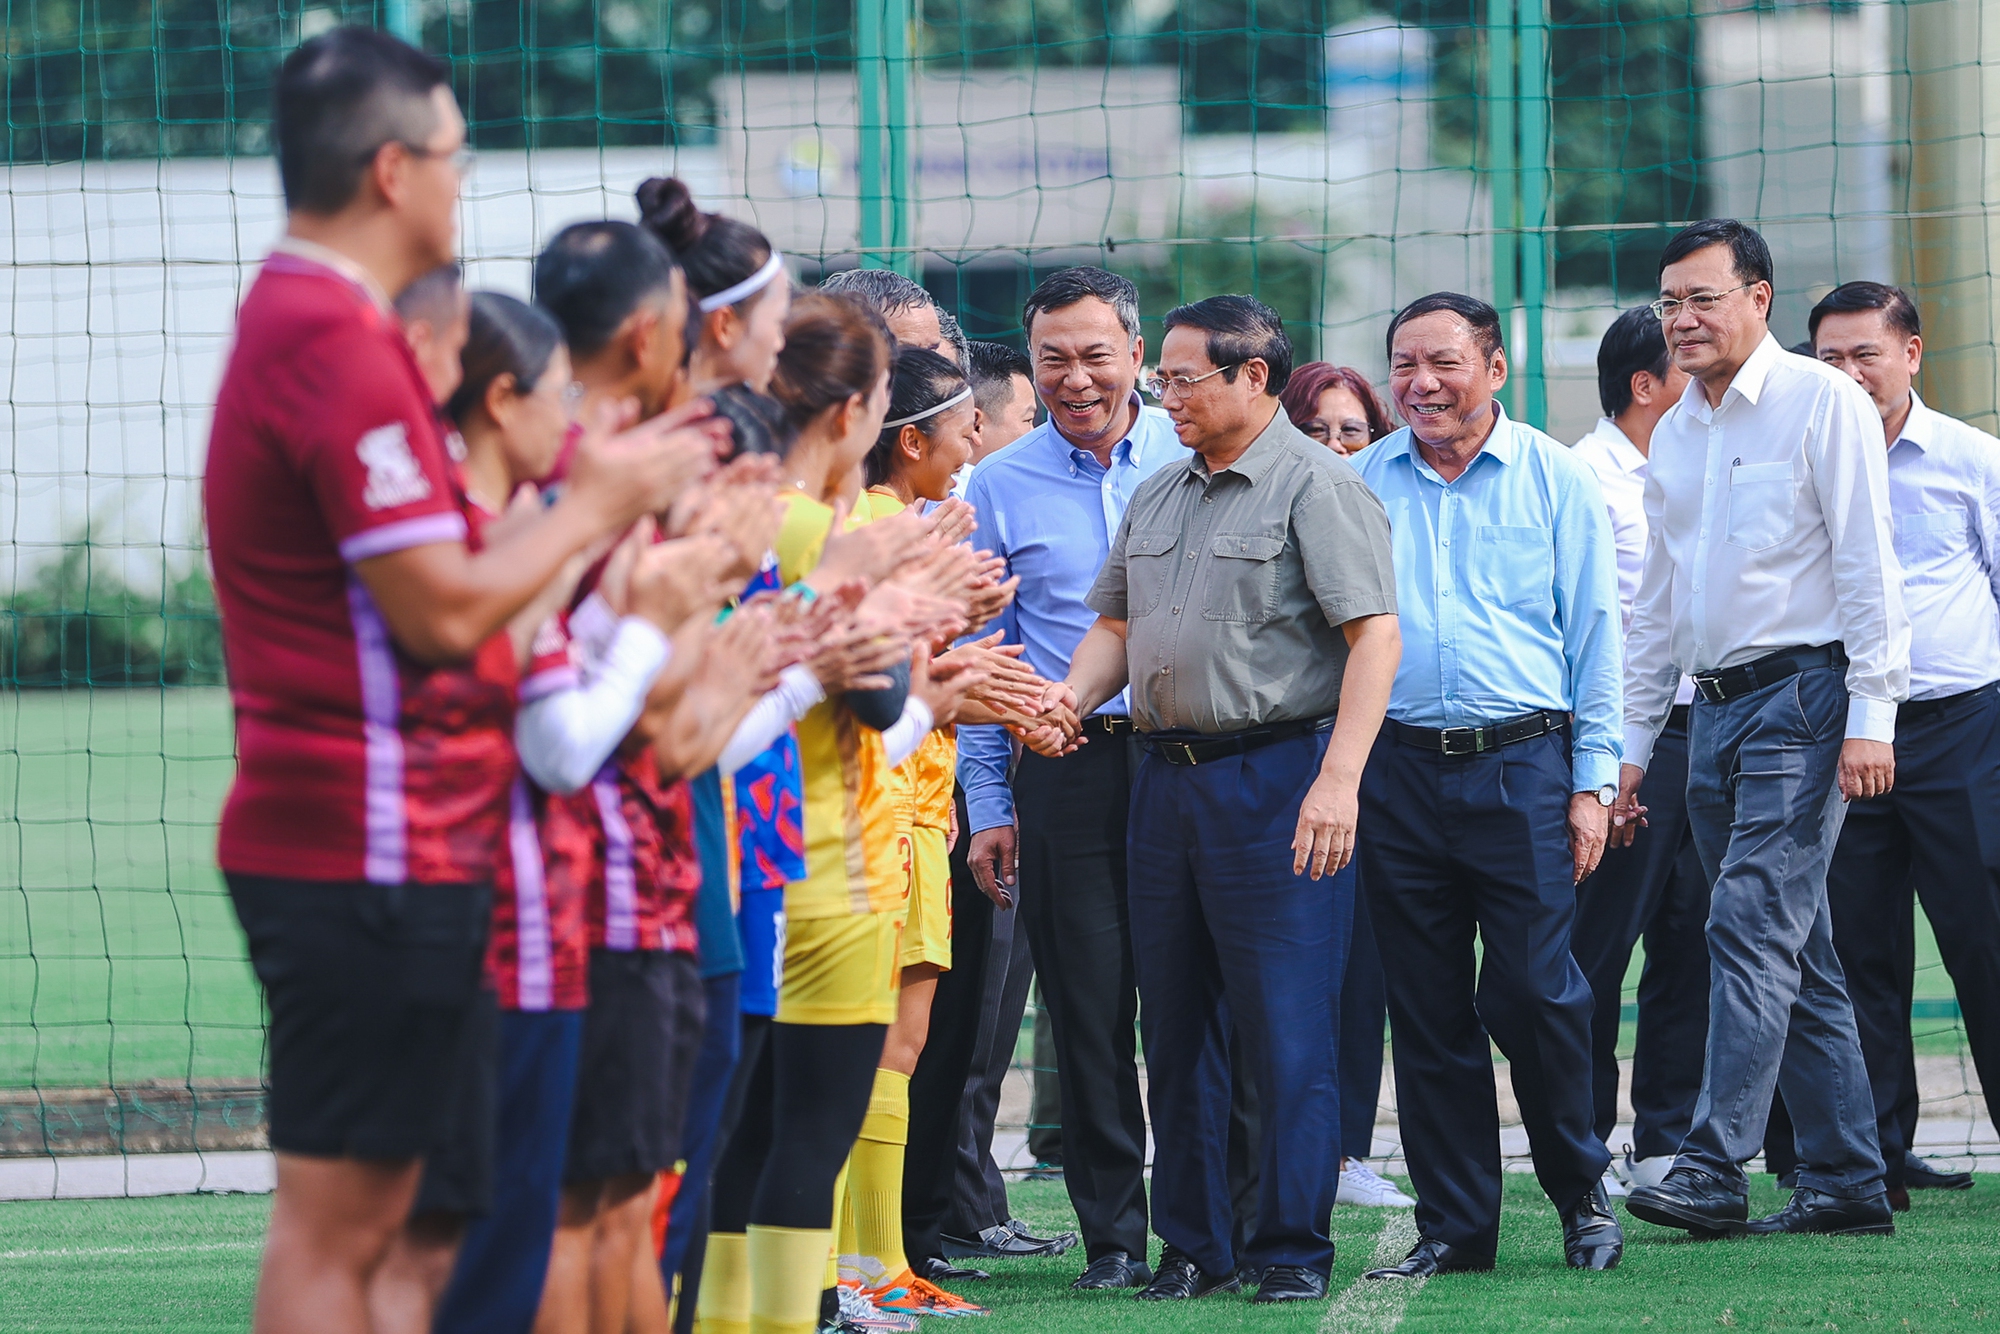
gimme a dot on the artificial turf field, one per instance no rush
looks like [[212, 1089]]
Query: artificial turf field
[[188, 1263]]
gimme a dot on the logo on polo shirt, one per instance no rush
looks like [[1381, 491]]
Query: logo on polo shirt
[[393, 475]]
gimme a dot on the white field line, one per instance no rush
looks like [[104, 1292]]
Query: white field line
[[1376, 1306], [81, 1252]]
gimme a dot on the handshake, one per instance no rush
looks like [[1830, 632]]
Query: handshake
[[1054, 727]]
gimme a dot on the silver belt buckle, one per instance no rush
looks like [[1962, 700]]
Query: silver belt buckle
[[1710, 689], [1186, 749], [1451, 738]]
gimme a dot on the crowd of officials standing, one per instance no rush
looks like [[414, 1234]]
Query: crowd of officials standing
[[677, 716]]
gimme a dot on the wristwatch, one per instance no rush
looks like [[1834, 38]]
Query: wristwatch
[[1606, 795]]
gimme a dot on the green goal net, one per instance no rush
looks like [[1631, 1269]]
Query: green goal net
[[1333, 157]]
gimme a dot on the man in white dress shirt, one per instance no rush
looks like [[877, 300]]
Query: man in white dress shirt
[[1771, 578], [1938, 831], [1655, 887]]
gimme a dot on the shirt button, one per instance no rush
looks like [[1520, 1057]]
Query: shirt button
[[1444, 592], [1177, 611], [1190, 555], [1208, 500], [1166, 671]]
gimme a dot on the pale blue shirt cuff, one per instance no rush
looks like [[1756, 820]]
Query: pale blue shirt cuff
[[1638, 747], [1871, 720], [1593, 769], [982, 771]]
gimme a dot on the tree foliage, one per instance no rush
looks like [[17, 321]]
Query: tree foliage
[[77, 623]]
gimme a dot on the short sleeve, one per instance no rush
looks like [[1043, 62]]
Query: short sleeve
[[369, 447], [551, 664], [1343, 537], [1107, 597]]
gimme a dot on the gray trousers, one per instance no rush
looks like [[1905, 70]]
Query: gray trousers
[[1765, 808], [979, 1193]]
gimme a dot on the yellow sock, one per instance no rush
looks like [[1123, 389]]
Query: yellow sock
[[875, 1188], [723, 1305], [787, 1272], [843, 1226]]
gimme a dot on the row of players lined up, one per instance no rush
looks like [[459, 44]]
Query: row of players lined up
[[596, 793]]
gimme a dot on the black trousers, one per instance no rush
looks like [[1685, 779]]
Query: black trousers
[[1935, 836], [1653, 890], [979, 1193], [1073, 814], [1452, 847], [937, 1088]]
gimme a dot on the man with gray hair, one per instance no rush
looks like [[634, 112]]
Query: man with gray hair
[[914, 317]]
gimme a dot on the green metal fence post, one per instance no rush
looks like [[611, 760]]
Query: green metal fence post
[[1533, 83], [882, 77], [405, 19], [1503, 165]]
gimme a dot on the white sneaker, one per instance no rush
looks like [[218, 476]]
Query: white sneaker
[[1359, 1184], [1647, 1171]]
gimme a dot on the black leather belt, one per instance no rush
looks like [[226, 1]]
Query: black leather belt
[[1107, 724], [1184, 748], [1930, 708], [1719, 687], [1459, 741]]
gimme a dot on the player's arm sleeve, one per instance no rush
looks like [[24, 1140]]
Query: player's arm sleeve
[[769, 718], [902, 737], [880, 709], [566, 735]]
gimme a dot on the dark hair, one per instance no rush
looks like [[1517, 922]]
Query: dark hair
[[1634, 342], [835, 347], [890, 293], [1851, 298], [506, 336], [337, 100], [594, 274], [758, 423], [1065, 287], [1748, 254], [1485, 320], [716, 252], [432, 296], [992, 367], [1239, 328], [1308, 382], [921, 380]]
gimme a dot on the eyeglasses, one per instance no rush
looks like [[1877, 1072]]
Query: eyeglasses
[[1701, 303], [459, 158], [1157, 386]]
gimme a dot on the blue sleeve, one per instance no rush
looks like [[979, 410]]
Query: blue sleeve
[[983, 751], [1587, 606]]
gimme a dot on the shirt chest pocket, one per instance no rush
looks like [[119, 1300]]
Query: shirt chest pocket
[[1513, 567], [1242, 579], [1760, 505], [1923, 541], [1149, 569]]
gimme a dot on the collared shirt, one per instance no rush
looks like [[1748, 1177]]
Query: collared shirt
[[1770, 523], [1944, 490], [1233, 584], [1509, 587], [1050, 509], [1620, 470]]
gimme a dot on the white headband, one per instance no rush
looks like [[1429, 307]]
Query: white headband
[[953, 401], [756, 282]]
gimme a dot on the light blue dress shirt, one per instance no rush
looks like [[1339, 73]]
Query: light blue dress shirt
[[1050, 509], [1507, 587]]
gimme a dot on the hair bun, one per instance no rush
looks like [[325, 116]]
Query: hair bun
[[667, 209]]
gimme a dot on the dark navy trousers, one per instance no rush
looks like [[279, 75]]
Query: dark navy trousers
[[1653, 890], [714, 1064], [1224, 935], [1452, 847], [496, 1286], [1360, 1014]]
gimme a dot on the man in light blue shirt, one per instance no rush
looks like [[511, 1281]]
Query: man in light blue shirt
[[1488, 793], [1049, 503]]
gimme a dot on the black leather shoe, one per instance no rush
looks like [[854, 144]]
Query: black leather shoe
[[1291, 1283], [1816, 1211], [1113, 1270], [1179, 1279], [1899, 1199], [1428, 1259], [1010, 1240], [939, 1271], [1692, 1200], [1920, 1175], [1592, 1238]]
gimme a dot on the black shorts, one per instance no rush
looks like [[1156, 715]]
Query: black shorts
[[372, 990], [640, 1036], [458, 1173]]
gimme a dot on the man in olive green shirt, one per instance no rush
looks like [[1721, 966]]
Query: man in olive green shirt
[[1249, 601]]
